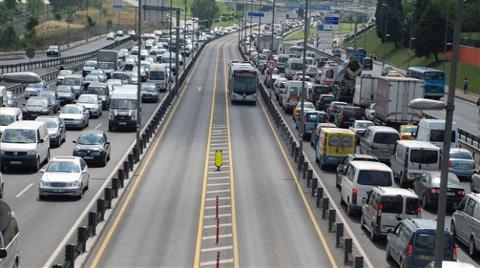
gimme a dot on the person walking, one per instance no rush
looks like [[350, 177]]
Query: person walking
[[465, 86]]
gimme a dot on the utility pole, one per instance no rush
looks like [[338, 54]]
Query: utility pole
[[273, 25], [88, 24], [251, 18], [385, 31], [302, 94], [259, 22], [170, 41], [139, 80], [184, 29], [177, 67]]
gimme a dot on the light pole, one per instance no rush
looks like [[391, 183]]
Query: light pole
[[259, 21], [139, 80], [251, 19], [385, 34], [302, 94], [170, 41], [273, 25], [410, 48], [447, 135]]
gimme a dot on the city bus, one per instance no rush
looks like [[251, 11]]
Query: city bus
[[433, 79], [242, 82]]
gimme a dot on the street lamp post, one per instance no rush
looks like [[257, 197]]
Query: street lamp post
[[273, 25], [139, 80], [449, 107], [410, 48], [385, 31], [251, 18], [302, 94]]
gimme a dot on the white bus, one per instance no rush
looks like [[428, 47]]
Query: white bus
[[242, 82]]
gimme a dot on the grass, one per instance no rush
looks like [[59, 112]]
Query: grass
[[344, 28], [400, 57]]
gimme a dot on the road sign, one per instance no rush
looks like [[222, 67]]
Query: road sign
[[332, 20], [30, 52], [271, 64], [256, 14]]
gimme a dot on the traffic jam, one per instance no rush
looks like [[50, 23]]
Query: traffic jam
[[382, 157]]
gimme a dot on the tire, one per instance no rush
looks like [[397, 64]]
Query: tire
[[105, 161], [401, 179], [388, 256], [373, 236], [1, 191], [80, 194], [36, 165], [472, 251], [362, 222], [402, 265], [110, 128], [349, 208]]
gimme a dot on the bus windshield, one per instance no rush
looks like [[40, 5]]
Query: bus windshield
[[245, 85], [434, 76]]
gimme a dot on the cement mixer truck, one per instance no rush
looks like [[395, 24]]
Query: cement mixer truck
[[344, 80]]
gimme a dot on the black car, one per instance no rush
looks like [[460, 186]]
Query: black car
[[93, 146], [149, 93], [36, 106], [427, 185], [347, 115], [317, 91], [324, 101], [53, 51]]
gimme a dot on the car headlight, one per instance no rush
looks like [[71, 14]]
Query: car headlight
[[134, 115], [75, 184], [54, 135], [44, 184], [31, 152]]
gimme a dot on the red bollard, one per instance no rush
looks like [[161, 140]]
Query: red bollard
[[218, 259], [218, 232], [216, 210]]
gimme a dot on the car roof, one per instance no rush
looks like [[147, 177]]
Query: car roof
[[65, 158], [29, 124], [418, 144], [396, 191], [99, 132], [454, 150], [362, 121], [382, 129], [370, 165], [10, 110], [364, 156], [422, 223]]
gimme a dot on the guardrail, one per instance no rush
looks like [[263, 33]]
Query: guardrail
[[37, 64], [88, 229]]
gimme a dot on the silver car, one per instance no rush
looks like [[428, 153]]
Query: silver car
[[35, 88], [461, 163], [66, 176], [465, 225], [75, 116], [56, 129], [92, 102]]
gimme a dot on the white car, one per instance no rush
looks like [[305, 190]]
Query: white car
[[65, 175], [370, 112], [62, 75], [35, 88], [93, 104], [75, 115], [111, 36]]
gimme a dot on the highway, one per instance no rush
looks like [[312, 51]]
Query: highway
[[262, 216]]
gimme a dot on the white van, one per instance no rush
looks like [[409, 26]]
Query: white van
[[159, 76], [9, 236], [292, 66], [411, 157], [24, 144], [282, 61], [432, 130], [385, 207], [360, 178], [9, 115], [291, 96]]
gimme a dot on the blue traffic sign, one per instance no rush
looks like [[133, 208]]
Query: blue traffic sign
[[332, 20], [294, 5], [256, 14]]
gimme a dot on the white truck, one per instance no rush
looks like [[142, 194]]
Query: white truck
[[392, 98], [365, 90], [123, 108], [107, 61]]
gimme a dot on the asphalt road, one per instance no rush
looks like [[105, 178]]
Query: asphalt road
[[81, 49], [159, 226], [45, 223]]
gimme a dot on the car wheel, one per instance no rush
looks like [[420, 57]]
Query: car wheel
[[472, 252], [108, 157], [40, 197], [402, 180], [424, 201], [80, 193], [105, 160], [373, 236], [36, 165], [1, 191], [349, 208], [362, 222], [388, 256], [402, 264]]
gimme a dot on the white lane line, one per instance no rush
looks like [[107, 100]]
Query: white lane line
[[217, 248], [220, 198], [215, 226], [214, 207], [224, 161], [223, 166], [219, 178], [214, 236], [98, 126], [218, 191], [217, 172], [24, 190], [220, 216], [218, 184], [208, 263]]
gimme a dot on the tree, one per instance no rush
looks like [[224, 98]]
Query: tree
[[9, 38], [429, 37], [90, 22], [10, 4], [389, 13], [30, 33], [205, 10], [471, 22], [109, 24]]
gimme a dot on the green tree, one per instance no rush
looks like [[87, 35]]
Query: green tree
[[10, 4], [30, 33], [35, 7], [9, 38], [471, 22], [205, 10], [389, 13], [429, 39], [90, 22], [109, 24]]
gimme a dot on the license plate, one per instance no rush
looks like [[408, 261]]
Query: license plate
[[450, 193], [88, 157], [122, 123], [57, 190], [425, 257], [15, 162]]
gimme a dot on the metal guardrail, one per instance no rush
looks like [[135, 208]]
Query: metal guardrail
[[37, 64]]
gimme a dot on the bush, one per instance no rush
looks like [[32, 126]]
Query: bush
[[9, 38]]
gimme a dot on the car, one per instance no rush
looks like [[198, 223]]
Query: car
[[9, 115], [112, 83], [9, 237], [11, 99], [407, 132], [90, 78], [342, 167], [65, 94], [123, 53], [61, 74], [111, 36], [379, 141], [347, 115], [311, 119], [74, 81], [89, 66], [102, 77], [92, 103], [311, 71], [131, 33], [324, 101], [317, 91], [149, 93], [119, 33], [427, 185], [53, 99], [386, 69], [93, 146], [452, 264], [334, 108], [412, 243], [34, 88], [75, 116], [36, 106], [370, 112], [64, 176], [359, 127], [57, 131], [101, 90], [121, 75], [475, 182], [465, 224], [53, 51], [461, 163], [297, 112], [316, 133]]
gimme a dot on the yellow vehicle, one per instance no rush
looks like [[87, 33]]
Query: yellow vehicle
[[333, 145], [298, 109], [407, 132]]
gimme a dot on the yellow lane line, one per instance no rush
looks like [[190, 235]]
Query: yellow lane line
[[144, 166], [232, 183], [198, 244]]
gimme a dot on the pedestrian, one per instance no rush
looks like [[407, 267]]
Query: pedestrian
[[465, 86], [61, 68]]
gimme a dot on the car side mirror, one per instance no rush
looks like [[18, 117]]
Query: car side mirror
[[390, 231], [340, 168], [107, 143], [41, 141], [74, 141], [3, 253], [23, 104]]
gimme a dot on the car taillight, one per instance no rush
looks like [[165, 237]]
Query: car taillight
[[409, 251], [454, 253], [450, 163], [354, 196], [379, 212], [474, 166], [461, 192], [434, 191], [418, 210]]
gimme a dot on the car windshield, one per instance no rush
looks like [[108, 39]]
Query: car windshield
[[461, 155], [63, 166], [434, 76], [90, 138], [157, 75], [90, 64], [352, 112], [363, 125], [19, 136], [148, 88], [36, 85], [306, 105], [126, 104], [37, 102], [121, 76], [386, 138], [427, 241], [71, 81], [410, 129], [296, 66], [50, 123], [452, 179], [311, 117], [71, 110], [374, 178], [106, 65], [6, 119], [87, 99], [424, 156], [96, 90]]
